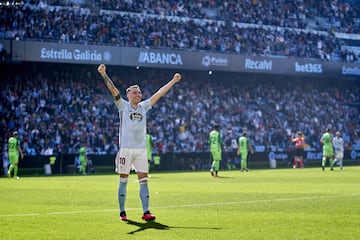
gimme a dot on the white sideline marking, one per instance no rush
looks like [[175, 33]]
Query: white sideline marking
[[263, 201], [21, 215], [183, 206]]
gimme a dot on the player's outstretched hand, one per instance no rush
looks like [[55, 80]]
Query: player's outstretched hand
[[177, 77], [102, 69]]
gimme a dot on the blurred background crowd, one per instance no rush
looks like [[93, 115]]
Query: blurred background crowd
[[292, 28], [60, 107]]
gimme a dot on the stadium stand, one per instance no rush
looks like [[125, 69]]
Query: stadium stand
[[279, 28], [61, 106]]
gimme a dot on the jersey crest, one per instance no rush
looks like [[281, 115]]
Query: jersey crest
[[136, 117]]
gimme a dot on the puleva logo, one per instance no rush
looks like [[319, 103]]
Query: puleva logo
[[214, 61]]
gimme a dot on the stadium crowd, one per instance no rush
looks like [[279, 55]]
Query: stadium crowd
[[340, 15], [275, 28], [60, 107]]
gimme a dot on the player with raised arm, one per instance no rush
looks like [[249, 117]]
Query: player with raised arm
[[132, 138]]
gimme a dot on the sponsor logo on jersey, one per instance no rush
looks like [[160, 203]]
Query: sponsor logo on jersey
[[136, 117]]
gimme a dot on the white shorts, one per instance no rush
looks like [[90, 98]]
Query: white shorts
[[131, 157], [339, 155]]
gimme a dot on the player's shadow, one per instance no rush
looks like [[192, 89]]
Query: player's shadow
[[223, 177], [156, 225]]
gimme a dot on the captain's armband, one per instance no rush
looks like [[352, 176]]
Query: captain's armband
[[117, 97]]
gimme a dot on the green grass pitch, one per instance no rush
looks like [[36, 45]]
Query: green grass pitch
[[260, 204]]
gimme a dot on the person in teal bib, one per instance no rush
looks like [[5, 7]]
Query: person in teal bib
[[215, 143], [244, 146], [14, 149], [328, 152]]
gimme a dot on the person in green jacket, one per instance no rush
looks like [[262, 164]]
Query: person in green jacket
[[14, 149], [215, 144], [328, 151], [243, 151], [83, 160]]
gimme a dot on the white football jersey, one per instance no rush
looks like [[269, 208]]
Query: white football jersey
[[338, 144], [132, 129]]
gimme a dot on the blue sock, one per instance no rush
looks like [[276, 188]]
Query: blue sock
[[122, 193], [144, 194]]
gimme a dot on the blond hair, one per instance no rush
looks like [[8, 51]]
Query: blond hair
[[132, 87]]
